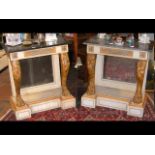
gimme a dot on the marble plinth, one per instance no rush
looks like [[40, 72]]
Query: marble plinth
[[68, 102], [88, 101]]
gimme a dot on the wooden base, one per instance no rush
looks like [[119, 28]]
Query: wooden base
[[68, 102], [115, 99], [88, 101], [41, 101]]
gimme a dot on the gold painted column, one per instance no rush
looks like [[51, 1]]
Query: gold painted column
[[138, 98], [137, 104], [91, 62], [67, 100], [65, 65], [16, 70], [89, 98]]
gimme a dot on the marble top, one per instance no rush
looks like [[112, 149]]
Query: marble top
[[19, 48], [102, 42]]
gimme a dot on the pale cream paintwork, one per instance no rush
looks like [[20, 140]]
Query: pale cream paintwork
[[108, 96], [43, 97]]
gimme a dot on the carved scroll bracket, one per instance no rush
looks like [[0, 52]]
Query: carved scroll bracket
[[16, 70], [138, 98], [65, 64], [91, 62]]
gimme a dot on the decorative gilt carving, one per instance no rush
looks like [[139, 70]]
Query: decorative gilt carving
[[65, 64], [138, 98], [64, 48], [91, 49], [116, 52], [91, 62], [40, 52], [142, 55], [17, 81]]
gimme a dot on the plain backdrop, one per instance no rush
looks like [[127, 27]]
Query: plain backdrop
[[77, 145], [63, 9]]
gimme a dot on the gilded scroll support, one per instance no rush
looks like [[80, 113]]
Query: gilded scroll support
[[91, 62], [16, 69], [65, 64], [138, 98]]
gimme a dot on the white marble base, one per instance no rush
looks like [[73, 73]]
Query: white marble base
[[68, 103], [135, 111], [109, 103], [23, 114], [45, 106], [88, 101]]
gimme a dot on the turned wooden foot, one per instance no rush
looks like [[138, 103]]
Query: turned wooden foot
[[65, 64], [17, 81], [138, 98], [91, 62]]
